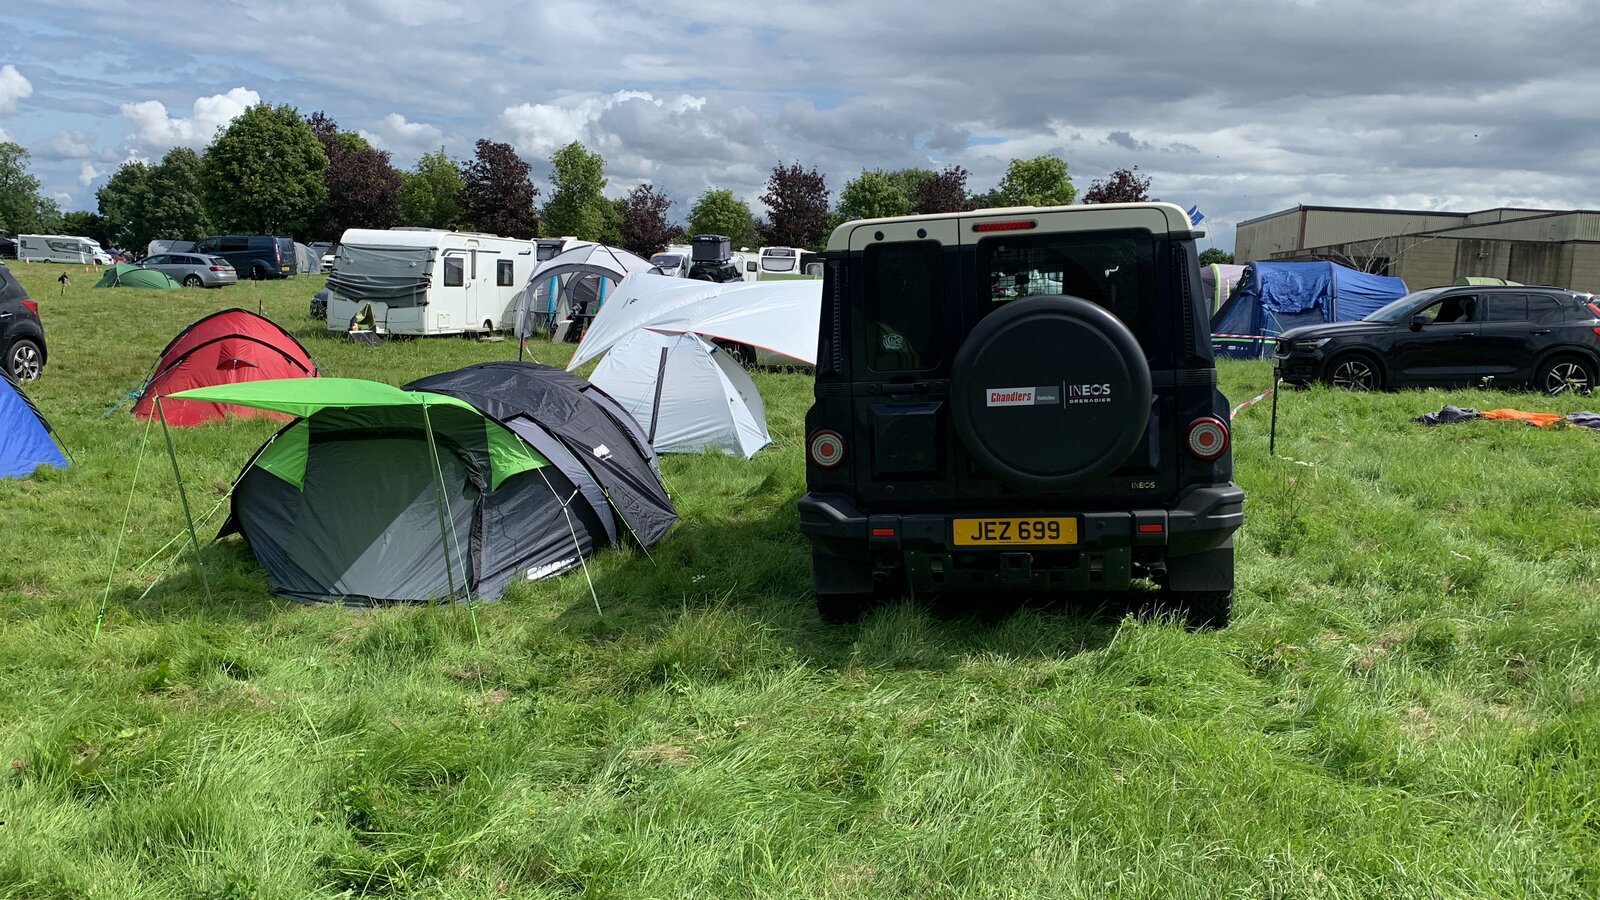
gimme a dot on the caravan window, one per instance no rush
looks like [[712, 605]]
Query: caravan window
[[455, 271], [504, 273]]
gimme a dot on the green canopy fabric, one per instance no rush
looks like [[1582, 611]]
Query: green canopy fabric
[[305, 397], [124, 275]]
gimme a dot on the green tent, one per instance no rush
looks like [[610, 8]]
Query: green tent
[[124, 275], [1484, 279], [379, 495]]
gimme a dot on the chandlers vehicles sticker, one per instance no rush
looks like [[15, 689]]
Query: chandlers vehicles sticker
[[1049, 395]]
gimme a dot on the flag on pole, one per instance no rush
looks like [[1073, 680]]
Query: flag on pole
[[1195, 215]]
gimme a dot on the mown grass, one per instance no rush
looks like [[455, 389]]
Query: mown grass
[[1408, 704]]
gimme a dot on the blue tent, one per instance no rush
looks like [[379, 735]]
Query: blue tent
[[1274, 297], [25, 441]]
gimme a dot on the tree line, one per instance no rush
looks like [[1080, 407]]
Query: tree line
[[274, 171]]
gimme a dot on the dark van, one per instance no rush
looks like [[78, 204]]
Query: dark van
[[255, 256]]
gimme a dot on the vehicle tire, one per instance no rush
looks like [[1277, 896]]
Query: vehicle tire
[[1566, 374], [258, 273], [1199, 610], [844, 587], [1353, 372], [25, 360], [1065, 372], [192, 281]]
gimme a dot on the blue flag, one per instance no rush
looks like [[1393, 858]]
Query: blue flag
[[1195, 215]]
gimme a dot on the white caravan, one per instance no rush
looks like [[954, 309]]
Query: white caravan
[[426, 281], [62, 248], [779, 263]]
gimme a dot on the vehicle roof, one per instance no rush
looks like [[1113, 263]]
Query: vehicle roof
[[409, 237], [1177, 220], [65, 237]]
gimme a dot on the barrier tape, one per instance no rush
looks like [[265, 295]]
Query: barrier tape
[[1251, 402]]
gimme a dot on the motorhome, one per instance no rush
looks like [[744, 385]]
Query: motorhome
[[427, 282], [550, 248], [780, 263], [62, 248]]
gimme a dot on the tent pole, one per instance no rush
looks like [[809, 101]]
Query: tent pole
[[183, 497], [1272, 435], [116, 554], [444, 531]]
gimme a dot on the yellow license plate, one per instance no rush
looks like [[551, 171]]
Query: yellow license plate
[[1030, 531]]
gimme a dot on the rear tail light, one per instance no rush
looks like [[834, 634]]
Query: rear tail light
[[1208, 438], [1594, 308], [1011, 225], [826, 448], [219, 268], [31, 306]]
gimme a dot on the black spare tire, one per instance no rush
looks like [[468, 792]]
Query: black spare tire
[[1049, 392]]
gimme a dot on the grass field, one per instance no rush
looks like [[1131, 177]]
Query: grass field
[[1408, 703]]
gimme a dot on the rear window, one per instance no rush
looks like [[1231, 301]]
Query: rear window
[[1114, 270], [1507, 307], [903, 301]]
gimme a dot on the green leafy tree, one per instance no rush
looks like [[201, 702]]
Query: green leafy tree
[[718, 211], [1041, 181], [263, 173], [1215, 256], [22, 208], [578, 205], [872, 195], [142, 202], [907, 180], [83, 223], [431, 194]]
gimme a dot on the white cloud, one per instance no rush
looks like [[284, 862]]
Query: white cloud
[[87, 173], [14, 86], [406, 140], [155, 130], [72, 144]]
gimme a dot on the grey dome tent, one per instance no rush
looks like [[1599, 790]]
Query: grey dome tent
[[571, 284], [379, 495]]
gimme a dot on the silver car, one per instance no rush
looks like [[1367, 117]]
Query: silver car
[[192, 270]]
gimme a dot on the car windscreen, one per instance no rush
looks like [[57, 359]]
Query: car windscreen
[[1400, 310], [666, 260], [1113, 270]]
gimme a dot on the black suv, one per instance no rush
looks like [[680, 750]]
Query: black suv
[[1455, 336], [1019, 400], [21, 330]]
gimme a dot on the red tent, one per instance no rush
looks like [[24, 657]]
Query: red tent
[[223, 348]]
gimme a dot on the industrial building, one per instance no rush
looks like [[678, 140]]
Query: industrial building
[[1427, 248]]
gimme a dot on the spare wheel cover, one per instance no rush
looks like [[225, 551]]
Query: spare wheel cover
[[1048, 392]]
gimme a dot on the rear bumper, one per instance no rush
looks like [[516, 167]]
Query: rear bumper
[[1110, 547]]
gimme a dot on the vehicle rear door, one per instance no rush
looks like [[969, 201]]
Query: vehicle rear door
[[1503, 348], [904, 291]]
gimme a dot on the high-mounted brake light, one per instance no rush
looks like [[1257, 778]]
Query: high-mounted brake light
[[826, 448], [1208, 438], [1011, 225]]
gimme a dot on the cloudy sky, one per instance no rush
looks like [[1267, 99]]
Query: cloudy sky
[[1243, 107]]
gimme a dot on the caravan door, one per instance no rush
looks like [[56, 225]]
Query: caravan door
[[451, 306]]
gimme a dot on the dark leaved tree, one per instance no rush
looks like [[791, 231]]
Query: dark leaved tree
[[944, 192], [499, 192], [797, 206], [1123, 186], [363, 189], [644, 228]]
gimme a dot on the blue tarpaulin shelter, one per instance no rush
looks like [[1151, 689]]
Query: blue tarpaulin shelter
[[25, 441], [1274, 297]]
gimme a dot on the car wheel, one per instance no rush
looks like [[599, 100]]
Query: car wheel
[[191, 281], [1198, 609], [1353, 372], [257, 273], [1566, 374], [25, 361]]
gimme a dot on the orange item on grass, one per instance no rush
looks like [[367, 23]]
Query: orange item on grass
[[1543, 420]]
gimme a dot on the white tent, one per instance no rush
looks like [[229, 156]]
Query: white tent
[[583, 276], [780, 317], [688, 395], [164, 246]]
